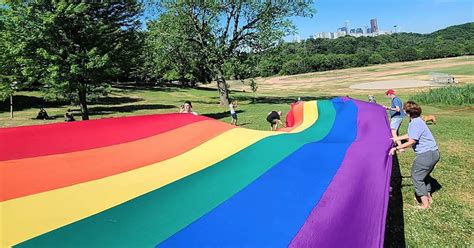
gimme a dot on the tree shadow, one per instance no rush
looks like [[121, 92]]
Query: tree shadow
[[101, 110], [148, 86], [395, 226], [108, 100], [277, 99], [21, 102], [221, 115], [205, 89]]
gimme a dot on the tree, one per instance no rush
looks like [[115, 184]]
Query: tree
[[74, 49], [223, 29]]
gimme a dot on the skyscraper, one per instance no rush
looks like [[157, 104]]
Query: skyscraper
[[373, 25]]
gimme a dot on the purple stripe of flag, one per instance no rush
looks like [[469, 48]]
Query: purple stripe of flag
[[352, 211]]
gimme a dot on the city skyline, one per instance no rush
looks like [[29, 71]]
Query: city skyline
[[417, 16], [355, 30]]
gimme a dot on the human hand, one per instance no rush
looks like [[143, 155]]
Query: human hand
[[392, 151], [395, 139]]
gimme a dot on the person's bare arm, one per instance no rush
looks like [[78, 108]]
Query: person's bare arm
[[281, 123], [402, 146], [393, 109], [398, 138]]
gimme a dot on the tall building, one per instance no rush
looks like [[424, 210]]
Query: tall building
[[373, 25], [343, 29], [359, 31]]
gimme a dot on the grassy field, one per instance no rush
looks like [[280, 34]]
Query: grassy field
[[448, 223]]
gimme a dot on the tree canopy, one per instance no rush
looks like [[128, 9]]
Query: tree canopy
[[205, 35], [73, 49]]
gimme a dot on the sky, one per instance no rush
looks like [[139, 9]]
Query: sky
[[418, 16]]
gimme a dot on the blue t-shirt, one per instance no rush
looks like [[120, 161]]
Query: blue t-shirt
[[397, 102], [419, 131]]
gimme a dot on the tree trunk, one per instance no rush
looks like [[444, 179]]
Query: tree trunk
[[83, 103], [223, 92]]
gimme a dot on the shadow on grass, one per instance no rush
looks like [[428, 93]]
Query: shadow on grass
[[395, 226], [276, 99], [150, 87], [101, 110], [221, 115], [108, 100], [21, 102]]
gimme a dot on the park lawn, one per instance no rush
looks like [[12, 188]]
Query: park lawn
[[448, 223]]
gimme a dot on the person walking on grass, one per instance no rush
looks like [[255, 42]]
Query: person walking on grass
[[274, 119], [427, 155], [396, 113], [233, 114]]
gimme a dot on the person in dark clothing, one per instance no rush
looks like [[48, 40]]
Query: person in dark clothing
[[274, 119], [42, 114], [68, 116]]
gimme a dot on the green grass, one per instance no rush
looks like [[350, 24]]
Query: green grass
[[459, 70], [449, 95], [448, 223]]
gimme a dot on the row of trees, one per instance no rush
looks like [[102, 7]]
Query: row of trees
[[75, 50], [325, 54]]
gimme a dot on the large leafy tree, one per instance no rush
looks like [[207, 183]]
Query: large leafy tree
[[215, 32], [72, 48]]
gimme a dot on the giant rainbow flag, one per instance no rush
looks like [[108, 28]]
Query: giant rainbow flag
[[179, 180]]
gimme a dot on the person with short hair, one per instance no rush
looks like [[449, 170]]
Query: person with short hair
[[187, 108], [233, 114], [274, 119], [396, 113], [427, 155]]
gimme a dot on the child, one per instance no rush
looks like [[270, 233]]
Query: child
[[372, 99], [187, 107], [396, 113], [233, 114]]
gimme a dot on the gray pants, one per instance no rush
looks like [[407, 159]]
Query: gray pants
[[421, 170]]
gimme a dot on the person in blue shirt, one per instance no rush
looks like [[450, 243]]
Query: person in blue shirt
[[427, 155], [396, 113]]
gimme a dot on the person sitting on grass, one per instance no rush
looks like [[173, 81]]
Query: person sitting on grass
[[68, 116], [274, 119], [42, 114], [233, 114], [187, 108], [427, 155]]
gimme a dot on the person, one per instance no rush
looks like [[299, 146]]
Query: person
[[427, 155], [274, 118], [42, 114], [68, 116], [372, 99], [233, 114], [187, 108], [396, 113]]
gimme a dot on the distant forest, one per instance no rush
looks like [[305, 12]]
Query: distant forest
[[313, 55]]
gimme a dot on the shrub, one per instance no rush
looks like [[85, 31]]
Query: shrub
[[451, 95]]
